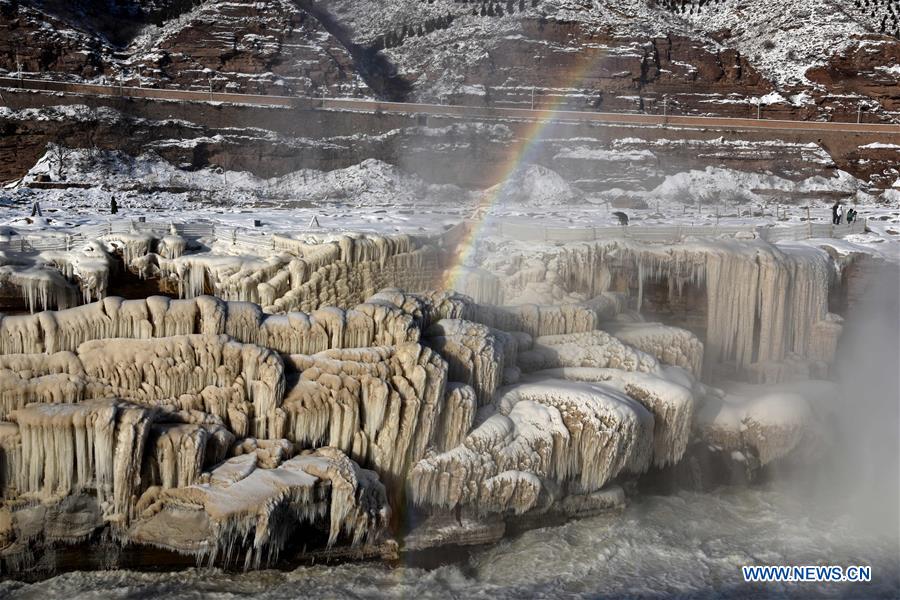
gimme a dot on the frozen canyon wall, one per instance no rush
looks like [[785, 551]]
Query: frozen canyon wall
[[298, 274], [304, 275], [220, 430], [763, 304], [204, 445]]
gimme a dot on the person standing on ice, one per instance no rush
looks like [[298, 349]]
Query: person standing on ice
[[834, 213], [851, 216], [113, 206], [840, 214]]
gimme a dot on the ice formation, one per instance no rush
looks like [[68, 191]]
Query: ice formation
[[537, 320], [131, 245], [159, 316], [588, 349], [672, 404], [301, 275], [67, 448], [763, 422], [241, 384], [188, 399], [762, 302], [88, 265], [379, 405], [823, 339], [298, 275], [40, 287], [327, 386], [476, 354], [670, 345], [558, 431], [170, 247], [56, 279], [241, 504]]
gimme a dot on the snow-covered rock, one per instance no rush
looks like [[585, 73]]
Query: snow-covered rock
[[533, 185]]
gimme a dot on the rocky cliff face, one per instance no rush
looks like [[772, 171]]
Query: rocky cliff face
[[772, 60], [869, 69], [810, 59], [719, 57], [268, 48], [274, 142], [33, 41]]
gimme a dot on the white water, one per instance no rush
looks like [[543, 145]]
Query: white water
[[687, 544]]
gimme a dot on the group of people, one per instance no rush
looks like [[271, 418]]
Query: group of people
[[837, 214]]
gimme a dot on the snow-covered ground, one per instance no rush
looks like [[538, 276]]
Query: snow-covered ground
[[374, 196], [370, 196]]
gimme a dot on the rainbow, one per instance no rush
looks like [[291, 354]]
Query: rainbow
[[520, 154]]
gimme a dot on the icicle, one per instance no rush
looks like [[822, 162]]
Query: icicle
[[763, 301], [387, 399], [252, 511], [42, 288], [670, 345], [591, 349], [171, 246], [94, 445], [500, 463], [671, 404], [475, 354], [241, 383]]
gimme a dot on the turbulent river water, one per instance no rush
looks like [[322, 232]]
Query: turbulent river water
[[687, 544]]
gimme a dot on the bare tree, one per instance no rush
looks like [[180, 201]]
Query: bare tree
[[59, 156], [94, 151]]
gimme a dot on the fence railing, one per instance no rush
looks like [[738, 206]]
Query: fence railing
[[677, 233], [247, 238], [58, 241]]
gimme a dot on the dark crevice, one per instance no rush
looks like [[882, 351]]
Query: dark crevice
[[115, 21], [375, 69]]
